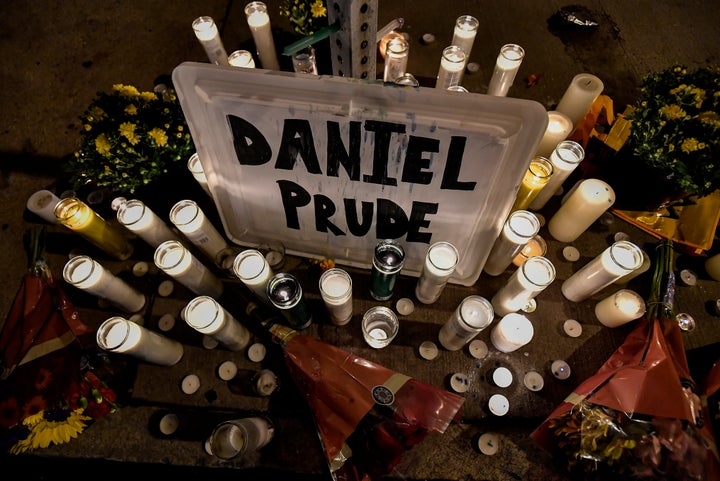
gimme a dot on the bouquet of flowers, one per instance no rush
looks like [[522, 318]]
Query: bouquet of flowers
[[639, 416], [129, 139], [304, 15]]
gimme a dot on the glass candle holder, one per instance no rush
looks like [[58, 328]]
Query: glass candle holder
[[466, 28], [512, 332], [121, 336], [207, 316], [558, 128], [517, 231], [526, 282], [176, 261], [644, 267], [452, 64], [192, 222], [620, 308], [79, 217], [236, 438], [621, 258], [286, 294], [440, 262], [336, 291], [474, 314], [143, 222], [537, 246], [258, 20], [196, 169], [388, 261], [506, 68], [241, 58], [582, 206], [207, 33], [251, 267], [379, 326], [396, 59], [564, 159], [582, 92], [536, 178], [304, 61]]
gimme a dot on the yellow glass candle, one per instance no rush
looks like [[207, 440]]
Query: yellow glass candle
[[536, 177], [79, 217]]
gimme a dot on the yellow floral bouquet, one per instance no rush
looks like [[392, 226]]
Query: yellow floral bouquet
[[304, 15], [129, 139]]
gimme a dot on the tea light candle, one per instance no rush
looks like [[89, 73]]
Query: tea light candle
[[528, 280], [583, 90], [87, 274], [533, 381], [558, 128], [139, 219], [227, 370], [535, 247], [440, 262], [489, 444], [560, 369], [254, 271], [620, 308], [256, 352], [42, 203], [506, 68], [502, 377], [478, 349], [712, 266], [452, 64], [192, 222], [499, 405], [583, 206], [336, 292], [536, 178], [517, 231], [428, 350], [614, 262], [198, 173], [259, 22], [176, 261], [205, 315], [117, 334], [266, 382], [566, 156], [512, 332], [572, 328], [207, 33], [459, 382]]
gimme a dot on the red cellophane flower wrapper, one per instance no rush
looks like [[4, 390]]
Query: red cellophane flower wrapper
[[639, 416], [367, 415]]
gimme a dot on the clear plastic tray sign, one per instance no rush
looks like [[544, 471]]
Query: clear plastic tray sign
[[331, 165]]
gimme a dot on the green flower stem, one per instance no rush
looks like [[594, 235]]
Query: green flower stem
[[321, 34]]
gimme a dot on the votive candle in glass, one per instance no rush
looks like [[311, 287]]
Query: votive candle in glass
[[192, 222], [336, 291], [396, 59], [621, 258], [241, 58], [506, 68], [118, 335], [258, 20], [528, 280], [558, 129], [535, 247], [87, 274], [176, 261], [566, 156], [251, 267], [196, 169], [474, 314], [207, 316], [207, 33], [452, 64], [536, 178], [517, 231], [620, 308], [582, 92], [440, 262], [304, 61], [582, 206], [388, 261], [143, 222], [512, 332], [286, 294], [466, 28], [79, 217]]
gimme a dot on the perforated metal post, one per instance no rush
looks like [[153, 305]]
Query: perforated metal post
[[354, 47]]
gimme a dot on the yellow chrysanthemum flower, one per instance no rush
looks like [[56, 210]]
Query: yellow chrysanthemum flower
[[131, 110], [126, 90], [127, 130], [159, 136], [148, 96], [691, 145], [673, 112], [102, 144], [318, 9]]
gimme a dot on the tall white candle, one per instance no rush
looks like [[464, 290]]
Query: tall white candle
[[528, 280], [584, 89], [196, 169], [517, 231], [620, 308], [474, 314], [512, 332], [614, 262], [192, 222], [440, 262], [139, 219], [207, 33], [506, 68], [396, 59], [205, 315], [119, 335], [566, 156], [42, 203], [251, 267], [558, 128], [583, 206], [452, 64], [178, 262], [259, 22], [87, 274], [336, 291], [644, 267], [466, 27]]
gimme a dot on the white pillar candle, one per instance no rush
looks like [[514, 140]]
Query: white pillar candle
[[205, 315], [517, 231], [440, 262], [466, 27], [452, 64], [254, 271], [528, 280], [473, 315], [644, 267], [535, 179], [241, 58], [87, 274], [259, 22], [139, 219], [620, 308], [179, 263], [512, 332], [506, 68], [192, 222], [712, 266], [119, 335], [336, 291], [583, 206], [396, 59], [207, 33], [558, 128], [584, 89], [42, 203], [564, 159], [614, 262], [196, 169]]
